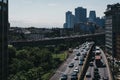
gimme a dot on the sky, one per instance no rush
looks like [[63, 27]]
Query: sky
[[50, 13]]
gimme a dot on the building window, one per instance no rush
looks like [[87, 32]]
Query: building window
[[0, 7], [4, 8], [5, 1]]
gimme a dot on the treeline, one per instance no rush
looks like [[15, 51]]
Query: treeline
[[33, 63]]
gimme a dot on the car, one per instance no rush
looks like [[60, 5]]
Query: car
[[63, 77], [77, 47], [92, 59], [71, 65], [103, 65], [81, 58], [105, 78], [91, 64], [78, 54], [97, 76], [76, 58], [87, 48], [97, 52], [96, 72], [88, 75], [95, 69], [84, 54], [76, 69], [95, 79], [74, 76], [97, 48], [81, 63]]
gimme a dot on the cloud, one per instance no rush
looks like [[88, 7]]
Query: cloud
[[52, 4]]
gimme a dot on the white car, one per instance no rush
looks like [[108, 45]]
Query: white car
[[76, 58], [76, 69]]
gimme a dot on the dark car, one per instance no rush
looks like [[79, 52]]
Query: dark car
[[95, 69], [92, 59], [84, 55], [81, 63], [78, 54], [81, 58], [103, 65], [74, 76], [71, 65], [91, 64], [63, 77], [97, 76]]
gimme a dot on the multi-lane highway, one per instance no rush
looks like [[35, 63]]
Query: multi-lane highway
[[76, 57], [97, 68], [102, 72]]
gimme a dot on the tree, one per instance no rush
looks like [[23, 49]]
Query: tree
[[11, 52], [35, 73], [22, 54], [20, 65]]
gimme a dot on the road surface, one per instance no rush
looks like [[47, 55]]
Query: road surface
[[64, 69]]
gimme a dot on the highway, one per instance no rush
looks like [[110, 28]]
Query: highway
[[65, 69], [103, 70]]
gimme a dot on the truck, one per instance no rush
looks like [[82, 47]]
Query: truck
[[98, 61]]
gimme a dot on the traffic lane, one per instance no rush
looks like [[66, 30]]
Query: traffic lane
[[103, 72], [70, 70], [107, 66], [62, 68], [91, 70]]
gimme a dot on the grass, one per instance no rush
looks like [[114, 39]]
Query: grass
[[47, 75], [62, 55]]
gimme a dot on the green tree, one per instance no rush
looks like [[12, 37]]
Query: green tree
[[20, 65], [22, 54], [35, 73], [11, 52]]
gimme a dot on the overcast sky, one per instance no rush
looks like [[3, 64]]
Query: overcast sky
[[50, 13]]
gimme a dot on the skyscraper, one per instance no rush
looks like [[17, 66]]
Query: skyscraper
[[69, 20], [80, 15], [3, 39], [112, 26], [92, 16]]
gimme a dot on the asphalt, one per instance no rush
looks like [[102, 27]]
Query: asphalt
[[64, 69], [103, 71]]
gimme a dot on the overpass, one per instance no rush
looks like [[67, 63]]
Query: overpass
[[98, 38]]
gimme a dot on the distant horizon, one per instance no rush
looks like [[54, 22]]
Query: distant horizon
[[50, 14]]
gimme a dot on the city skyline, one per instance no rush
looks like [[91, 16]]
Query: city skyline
[[50, 14]]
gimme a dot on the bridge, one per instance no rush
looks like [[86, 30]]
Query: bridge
[[98, 38]]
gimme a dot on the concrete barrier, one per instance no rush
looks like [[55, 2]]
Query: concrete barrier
[[83, 70]]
